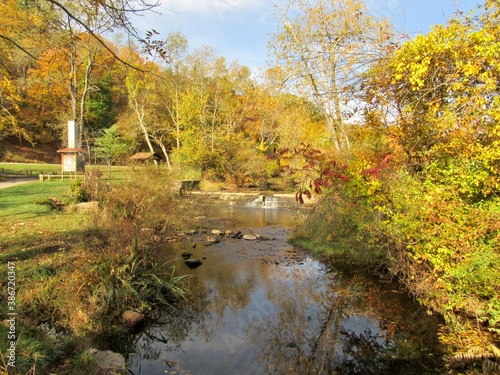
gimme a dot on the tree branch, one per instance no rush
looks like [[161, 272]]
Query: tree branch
[[94, 35], [18, 46]]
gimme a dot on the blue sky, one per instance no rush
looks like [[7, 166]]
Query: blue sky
[[239, 29]]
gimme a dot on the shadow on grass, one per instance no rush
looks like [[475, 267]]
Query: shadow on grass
[[32, 246], [22, 197]]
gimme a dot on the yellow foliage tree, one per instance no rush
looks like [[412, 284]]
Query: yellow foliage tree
[[325, 47], [438, 95]]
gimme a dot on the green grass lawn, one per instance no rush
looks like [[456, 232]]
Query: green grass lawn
[[34, 169], [27, 218], [33, 234], [26, 201], [29, 168]]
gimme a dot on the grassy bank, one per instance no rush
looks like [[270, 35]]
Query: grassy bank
[[75, 274]]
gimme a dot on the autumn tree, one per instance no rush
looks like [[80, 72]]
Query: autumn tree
[[19, 26], [324, 47], [174, 83], [9, 107], [74, 28], [46, 96], [286, 120], [439, 98], [194, 107], [142, 98], [80, 27]]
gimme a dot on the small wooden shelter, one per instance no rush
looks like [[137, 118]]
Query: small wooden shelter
[[145, 157]]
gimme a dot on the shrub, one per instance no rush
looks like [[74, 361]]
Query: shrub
[[78, 191], [437, 242]]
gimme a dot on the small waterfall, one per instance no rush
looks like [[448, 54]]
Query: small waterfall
[[267, 202]]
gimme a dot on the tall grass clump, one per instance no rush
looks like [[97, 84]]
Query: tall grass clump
[[133, 219]]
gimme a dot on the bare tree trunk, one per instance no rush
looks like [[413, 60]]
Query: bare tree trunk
[[85, 93], [317, 94], [214, 116], [165, 153], [140, 117]]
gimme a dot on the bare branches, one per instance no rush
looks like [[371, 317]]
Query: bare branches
[[325, 48], [110, 14], [123, 22]]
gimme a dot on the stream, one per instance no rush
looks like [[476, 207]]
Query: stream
[[266, 307]]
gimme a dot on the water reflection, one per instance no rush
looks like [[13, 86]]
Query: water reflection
[[264, 307]]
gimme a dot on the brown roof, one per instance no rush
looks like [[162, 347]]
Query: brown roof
[[68, 149], [145, 156]]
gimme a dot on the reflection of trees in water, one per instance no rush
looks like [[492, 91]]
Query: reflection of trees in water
[[202, 314], [311, 316], [301, 319], [329, 330], [167, 330]]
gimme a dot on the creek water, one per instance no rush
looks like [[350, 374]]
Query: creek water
[[266, 307]]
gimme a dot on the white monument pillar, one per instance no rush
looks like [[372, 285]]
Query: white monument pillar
[[72, 134]]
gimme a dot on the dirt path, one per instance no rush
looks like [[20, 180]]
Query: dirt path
[[13, 181]]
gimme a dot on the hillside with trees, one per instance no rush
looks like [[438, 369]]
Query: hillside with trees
[[193, 107]]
